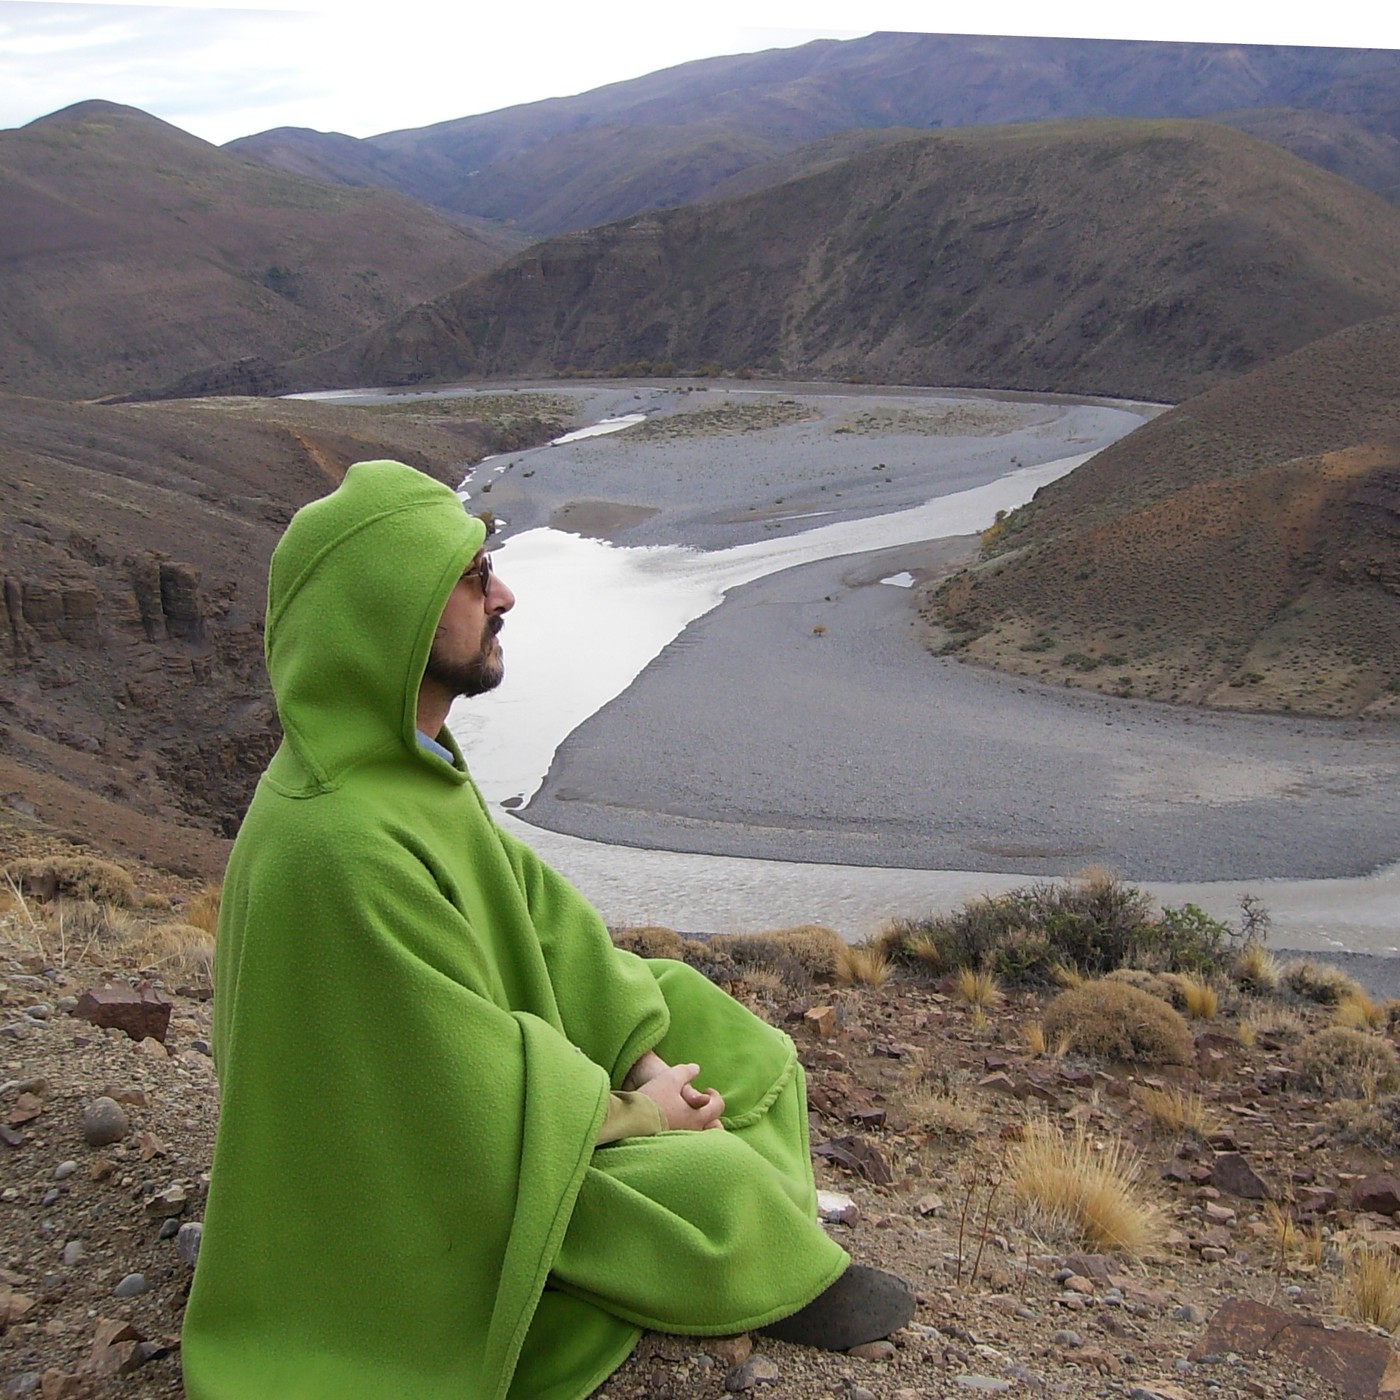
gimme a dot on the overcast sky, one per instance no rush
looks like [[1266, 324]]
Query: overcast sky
[[361, 68]]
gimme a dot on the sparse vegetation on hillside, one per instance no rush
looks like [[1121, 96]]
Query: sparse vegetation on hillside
[[1117, 1022], [1260, 511]]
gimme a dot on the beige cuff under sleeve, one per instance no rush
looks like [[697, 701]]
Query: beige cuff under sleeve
[[631, 1114]]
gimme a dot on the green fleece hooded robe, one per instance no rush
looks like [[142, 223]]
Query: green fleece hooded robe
[[417, 1025]]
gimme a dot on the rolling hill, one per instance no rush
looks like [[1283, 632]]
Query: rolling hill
[[1241, 550], [671, 137], [134, 252], [1138, 259], [134, 709]]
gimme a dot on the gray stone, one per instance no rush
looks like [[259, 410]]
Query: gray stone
[[1065, 1338], [132, 1286], [27, 1383], [40, 1011], [1188, 1312], [169, 1228], [881, 1350], [104, 1122], [757, 1370], [72, 1252], [187, 1241], [1232, 1174], [51, 1196], [988, 1385], [64, 1170]]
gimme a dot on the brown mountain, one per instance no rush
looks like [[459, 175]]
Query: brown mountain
[[1141, 259], [671, 137], [1241, 550], [134, 543], [134, 252]]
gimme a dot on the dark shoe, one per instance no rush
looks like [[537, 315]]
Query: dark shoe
[[863, 1305]]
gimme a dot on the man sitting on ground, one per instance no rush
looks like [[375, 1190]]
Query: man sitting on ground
[[461, 1151]]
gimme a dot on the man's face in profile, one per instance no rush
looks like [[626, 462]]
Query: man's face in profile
[[466, 656]]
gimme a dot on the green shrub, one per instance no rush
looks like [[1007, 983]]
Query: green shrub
[[1114, 1021], [1342, 1062], [1095, 924]]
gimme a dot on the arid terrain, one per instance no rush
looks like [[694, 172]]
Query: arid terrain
[[1224, 1185]]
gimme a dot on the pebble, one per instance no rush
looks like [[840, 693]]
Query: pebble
[[1188, 1312], [1113, 1298], [66, 1004], [989, 1385], [132, 1286], [64, 1170], [72, 1252], [859, 1392], [187, 1241], [169, 1228], [873, 1351], [26, 1383], [1065, 1338], [40, 1011], [104, 1122], [757, 1370], [51, 1196]]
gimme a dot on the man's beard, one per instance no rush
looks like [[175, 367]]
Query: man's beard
[[481, 673]]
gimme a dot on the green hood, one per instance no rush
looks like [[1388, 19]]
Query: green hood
[[347, 639]]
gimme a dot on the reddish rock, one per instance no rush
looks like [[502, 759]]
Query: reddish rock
[[1316, 1200], [1380, 1193], [1361, 1365], [859, 1155], [140, 1014], [997, 1083], [822, 1019], [1233, 1175], [1091, 1266], [113, 1346]]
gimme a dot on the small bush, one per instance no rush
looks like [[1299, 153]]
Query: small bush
[[812, 947], [1033, 1033], [1357, 1010], [1256, 969], [977, 988], [203, 910], [1319, 982], [1155, 984], [73, 877], [1093, 924], [1374, 1124], [1199, 999], [1173, 1109], [1087, 1190], [173, 951], [1118, 1022], [1277, 1022], [1369, 1287], [649, 941], [1345, 1063], [865, 966]]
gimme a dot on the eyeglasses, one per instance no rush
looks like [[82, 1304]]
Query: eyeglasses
[[481, 572]]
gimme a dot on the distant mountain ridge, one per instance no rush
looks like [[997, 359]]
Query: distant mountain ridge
[[671, 137], [1137, 259], [135, 252]]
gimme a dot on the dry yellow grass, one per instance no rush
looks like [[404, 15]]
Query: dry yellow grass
[[1276, 1021], [925, 951], [1256, 969], [941, 1114], [1173, 1109], [1199, 999], [1063, 975], [1368, 1289], [1358, 1011], [862, 966], [203, 910], [172, 950], [1033, 1033], [1284, 1227], [1091, 1191], [977, 989]]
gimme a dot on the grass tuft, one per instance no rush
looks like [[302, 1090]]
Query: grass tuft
[[1118, 1022], [203, 910], [977, 989], [862, 966], [1319, 982], [1199, 998], [1358, 1011], [1345, 1063], [1090, 1191], [1173, 1109], [1256, 969], [1369, 1287]]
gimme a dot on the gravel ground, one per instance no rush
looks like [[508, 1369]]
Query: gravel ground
[[804, 720]]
